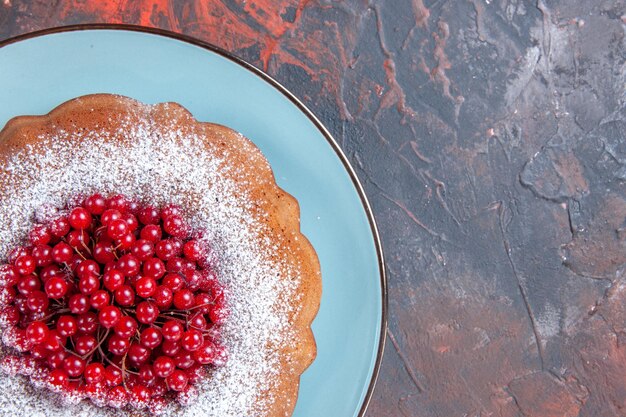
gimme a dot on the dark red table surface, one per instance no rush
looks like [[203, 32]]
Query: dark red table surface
[[490, 137]]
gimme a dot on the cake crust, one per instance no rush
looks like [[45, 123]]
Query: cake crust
[[276, 207]]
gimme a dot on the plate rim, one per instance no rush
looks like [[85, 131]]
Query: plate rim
[[302, 107]]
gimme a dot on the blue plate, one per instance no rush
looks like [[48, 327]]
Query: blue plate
[[41, 70]]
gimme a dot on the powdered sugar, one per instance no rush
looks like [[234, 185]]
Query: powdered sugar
[[160, 164]]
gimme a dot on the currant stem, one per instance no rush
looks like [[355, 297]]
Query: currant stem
[[102, 339], [124, 371], [198, 306], [86, 248]]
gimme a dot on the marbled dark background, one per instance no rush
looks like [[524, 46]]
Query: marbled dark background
[[490, 136]]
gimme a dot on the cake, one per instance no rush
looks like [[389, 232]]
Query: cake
[[212, 193]]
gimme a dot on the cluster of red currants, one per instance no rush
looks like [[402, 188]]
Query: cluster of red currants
[[113, 301]]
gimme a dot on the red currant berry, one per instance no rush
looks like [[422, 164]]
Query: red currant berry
[[75, 261], [55, 360], [109, 316], [109, 215], [165, 249], [138, 354], [131, 221], [62, 253], [112, 376], [151, 233], [67, 326], [133, 207], [146, 375], [95, 392], [206, 354], [80, 218], [100, 299], [173, 281], [17, 252], [184, 360], [117, 229], [50, 271], [78, 239], [9, 275], [193, 279], [218, 313], [58, 378], [88, 284], [145, 287], [79, 304], [20, 304], [163, 366], [141, 393], [170, 348], [118, 202], [56, 287], [110, 266], [37, 301], [74, 366], [85, 344], [37, 332], [154, 268], [125, 296], [30, 316], [7, 295], [159, 388], [206, 261], [221, 355], [113, 279], [118, 345], [94, 373], [20, 341], [25, 265], [125, 242], [175, 265], [184, 300], [54, 342], [40, 235], [128, 265], [193, 250], [163, 297], [9, 316], [60, 227], [147, 312], [188, 266], [175, 226], [28, 284], [87, 323], [149, 215], [151, 337], [103, 252], [126, 327], [177, 381], [95, 204], [117, 397], [170, 210], [192, 340], [203, 302], [197, 321], [178, 245], [39, 352], [87, 268], [143, 249], [42, 255], [172, 330]]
